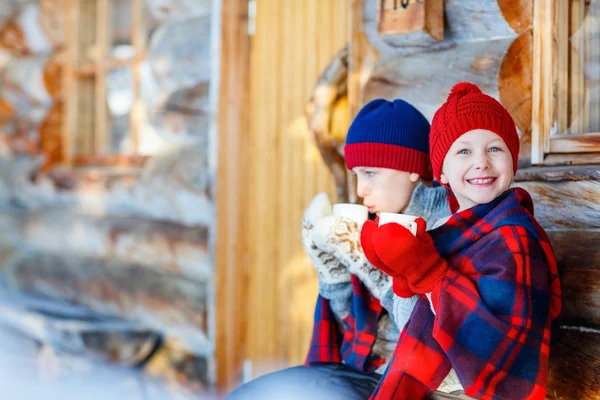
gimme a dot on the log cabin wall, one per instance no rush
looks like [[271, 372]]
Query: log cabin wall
[[124, 238], [269, 170]]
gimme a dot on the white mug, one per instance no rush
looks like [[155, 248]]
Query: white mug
[[407, 221], [355, 212]]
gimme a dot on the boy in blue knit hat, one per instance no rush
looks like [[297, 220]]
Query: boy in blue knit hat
[[359, 315]]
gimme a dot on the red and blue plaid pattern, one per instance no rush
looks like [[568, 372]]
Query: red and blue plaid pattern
[[354, 346], [494, 308]]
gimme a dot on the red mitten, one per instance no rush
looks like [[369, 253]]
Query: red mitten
[[413, 257], [401, 288], [399, 283]]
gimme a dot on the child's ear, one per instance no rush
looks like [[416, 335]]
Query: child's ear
[[443, 179], [414, 177]]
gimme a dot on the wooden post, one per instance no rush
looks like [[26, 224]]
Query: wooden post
[[139, 41], [562, 67], [103, 47], [86, 105], [577, 63], [70, 97], [231, 242], [361, 60], [543, 60]]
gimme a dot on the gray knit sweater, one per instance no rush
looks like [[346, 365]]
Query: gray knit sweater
[[429, 203]]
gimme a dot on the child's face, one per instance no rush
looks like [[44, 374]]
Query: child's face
[[384, 189], [478, 168]]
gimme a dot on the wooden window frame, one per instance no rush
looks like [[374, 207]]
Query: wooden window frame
[[548, 149], [87, 128]]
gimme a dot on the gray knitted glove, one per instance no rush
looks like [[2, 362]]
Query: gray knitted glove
[[329, 269], [340, 236]]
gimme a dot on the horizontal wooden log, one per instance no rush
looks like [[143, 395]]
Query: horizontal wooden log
[[576, 249], [425, 78], [589, 142], [172, 305], [580, 296], [464, 21], [567, 204], [518, 14], [558, 174], [578, 258], [575, 365], [515, 81], [153, 245]]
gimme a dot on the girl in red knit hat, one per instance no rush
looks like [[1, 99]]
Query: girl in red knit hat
[[487, 279]]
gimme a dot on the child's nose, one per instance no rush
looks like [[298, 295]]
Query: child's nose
[[482, 162], [362, 190]]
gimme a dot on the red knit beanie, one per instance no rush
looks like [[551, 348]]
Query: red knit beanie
[[466, 109]]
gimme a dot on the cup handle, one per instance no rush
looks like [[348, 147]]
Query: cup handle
[[412, 227]]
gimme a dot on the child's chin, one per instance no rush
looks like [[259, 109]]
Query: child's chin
[[485, 199]]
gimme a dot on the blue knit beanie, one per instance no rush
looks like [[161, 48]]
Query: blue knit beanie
[[389, 134]]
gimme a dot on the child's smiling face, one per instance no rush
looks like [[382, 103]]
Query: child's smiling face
[[478, 168], [385, 189]]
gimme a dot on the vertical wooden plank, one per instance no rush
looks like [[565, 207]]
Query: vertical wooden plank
[[264, 339], [288, 52], [85, 111], [286, 179], [587, 59], [139, 34], [562, 67], [232, 193], [542, 97], [577, 54], [593, 58], [103, 54], [70, 91], [361, 59], [356, 55]]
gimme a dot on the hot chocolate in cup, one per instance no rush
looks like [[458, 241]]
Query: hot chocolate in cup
[[355, 212], [407, 221]]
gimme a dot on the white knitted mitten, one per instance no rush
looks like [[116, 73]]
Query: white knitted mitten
[[340, 236], [329, 269]]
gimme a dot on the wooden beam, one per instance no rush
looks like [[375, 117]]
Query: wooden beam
[[139, 41], [102, 131], [86, 104], [558, 174], [362, 57], [231, 262], [584, 143], [577, 77], [356, 54], [89, 70], [542, 98], [69, 81], [562, 67], [574, 364]]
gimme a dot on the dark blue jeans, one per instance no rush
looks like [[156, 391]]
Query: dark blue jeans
[[317, 382]]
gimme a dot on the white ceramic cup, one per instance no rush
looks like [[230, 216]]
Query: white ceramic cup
[[407, 221], [355, 212]]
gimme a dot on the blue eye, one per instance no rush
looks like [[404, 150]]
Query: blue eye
[[464, 151], [370, 174], [495, 149]]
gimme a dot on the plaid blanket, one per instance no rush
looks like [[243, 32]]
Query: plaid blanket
[[354, 345], [493, 308]]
